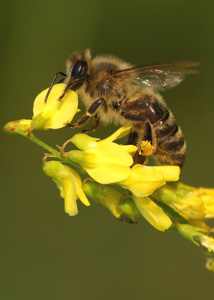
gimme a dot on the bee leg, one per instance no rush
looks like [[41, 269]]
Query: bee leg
[[142, 131], [82, 121], [89, 114], [147, 135], [135, 137], [52, 83], [94, 125]]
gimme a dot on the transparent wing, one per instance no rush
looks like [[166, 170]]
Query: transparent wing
[[159, 77]]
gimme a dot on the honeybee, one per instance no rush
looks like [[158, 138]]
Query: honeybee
[[114, 91]]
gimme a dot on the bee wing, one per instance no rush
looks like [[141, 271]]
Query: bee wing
[[159, 77]]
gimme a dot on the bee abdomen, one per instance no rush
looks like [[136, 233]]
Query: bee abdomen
[[177, 157], [166, 135], [170, 143]]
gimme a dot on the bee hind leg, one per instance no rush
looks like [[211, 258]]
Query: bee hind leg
[[133, 139], [137, 137]]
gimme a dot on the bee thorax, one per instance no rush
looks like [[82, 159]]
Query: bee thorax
[[104, 87]]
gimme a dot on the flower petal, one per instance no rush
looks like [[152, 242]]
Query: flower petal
[[111, 153], [207, 197], [107, 174], [105, 195], [118, 134], [55, 112], [144, 180], [69, 183], [170, 173], [153, 213], [191, 203], [67, 188], [82, 141], [105, 161]]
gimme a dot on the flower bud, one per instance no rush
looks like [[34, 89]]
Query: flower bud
[[17, 126], [69, 183]]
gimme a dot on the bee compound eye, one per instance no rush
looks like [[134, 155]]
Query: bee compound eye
[[79, 68]]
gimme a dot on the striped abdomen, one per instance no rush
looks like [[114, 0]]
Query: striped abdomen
[[161, 128], [170, 143]]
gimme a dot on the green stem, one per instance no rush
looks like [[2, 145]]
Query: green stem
[[56, 153]]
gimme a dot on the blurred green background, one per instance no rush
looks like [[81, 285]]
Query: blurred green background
[[45, 254]]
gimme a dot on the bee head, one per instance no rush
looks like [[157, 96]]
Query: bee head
[[77, 69]]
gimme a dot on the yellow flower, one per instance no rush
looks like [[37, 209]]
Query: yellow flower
[[114, 200], [105, 161], [193, 204], [207, 197], [144, 180], [55, 112], [153, 213], [69, 183], [105, 195]]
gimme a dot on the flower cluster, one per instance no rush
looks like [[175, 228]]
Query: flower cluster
[[110, 177]]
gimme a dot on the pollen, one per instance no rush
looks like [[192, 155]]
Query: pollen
[[146, 148]]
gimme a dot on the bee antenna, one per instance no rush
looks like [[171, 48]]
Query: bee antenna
[[53, 82]]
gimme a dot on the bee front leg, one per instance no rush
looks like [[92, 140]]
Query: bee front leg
[[94, 125], [89, 114]]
